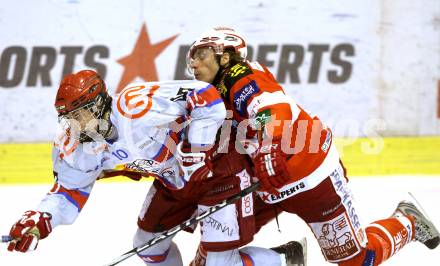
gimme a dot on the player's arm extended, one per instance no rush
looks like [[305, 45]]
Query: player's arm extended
[[61, 205]]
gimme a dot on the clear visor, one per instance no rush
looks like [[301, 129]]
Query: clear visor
[[81, 115], [201, 52], [83, 121]]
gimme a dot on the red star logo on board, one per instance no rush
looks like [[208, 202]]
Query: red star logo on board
[[140, 63]]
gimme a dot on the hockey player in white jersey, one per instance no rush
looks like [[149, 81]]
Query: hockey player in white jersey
[[148, 130], [131, 135]]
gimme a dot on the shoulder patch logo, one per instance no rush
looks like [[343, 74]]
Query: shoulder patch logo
[[262, 118], [234, 74], [181, 94], [243, 95], [237, 70]]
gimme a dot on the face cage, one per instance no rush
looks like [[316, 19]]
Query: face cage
[[216, 48], [96, 110]]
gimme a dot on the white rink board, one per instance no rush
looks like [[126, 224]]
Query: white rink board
[[392, 73], [105, 227]]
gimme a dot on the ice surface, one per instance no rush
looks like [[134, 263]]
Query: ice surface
[[106, 225]]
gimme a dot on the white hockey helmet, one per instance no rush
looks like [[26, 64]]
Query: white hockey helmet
[[220, 39]]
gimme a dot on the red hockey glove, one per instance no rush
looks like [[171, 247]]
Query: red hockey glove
[[194, 165], [26, 233], [270, 166]]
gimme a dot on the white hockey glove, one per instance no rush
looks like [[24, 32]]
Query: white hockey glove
[[194, 166]]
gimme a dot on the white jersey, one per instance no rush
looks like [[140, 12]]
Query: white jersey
[[143, 116]]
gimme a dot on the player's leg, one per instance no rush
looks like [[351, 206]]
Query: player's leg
[[386, 237], [161, 211], [331, 213], [200, 257], [224, 232], [336, 227], [425, 231], [249, 256], [164, 253], [383, 243], [293, 253], [232, 227]]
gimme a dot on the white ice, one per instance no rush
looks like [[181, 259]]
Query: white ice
[[105, 227]]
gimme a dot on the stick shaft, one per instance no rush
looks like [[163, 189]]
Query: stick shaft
[[186, 224]]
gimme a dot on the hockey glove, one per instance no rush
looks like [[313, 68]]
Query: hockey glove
[[26, 233], [270, 166], [194, 166]]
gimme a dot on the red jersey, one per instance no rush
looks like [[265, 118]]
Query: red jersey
[[251, 92]]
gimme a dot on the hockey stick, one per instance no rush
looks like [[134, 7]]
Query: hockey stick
[[5, 239], [186, 224]]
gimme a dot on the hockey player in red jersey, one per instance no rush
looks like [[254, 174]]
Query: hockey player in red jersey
[[166, 130], [295, 160]]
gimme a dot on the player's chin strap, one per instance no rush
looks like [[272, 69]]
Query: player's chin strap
[[186, 224]]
